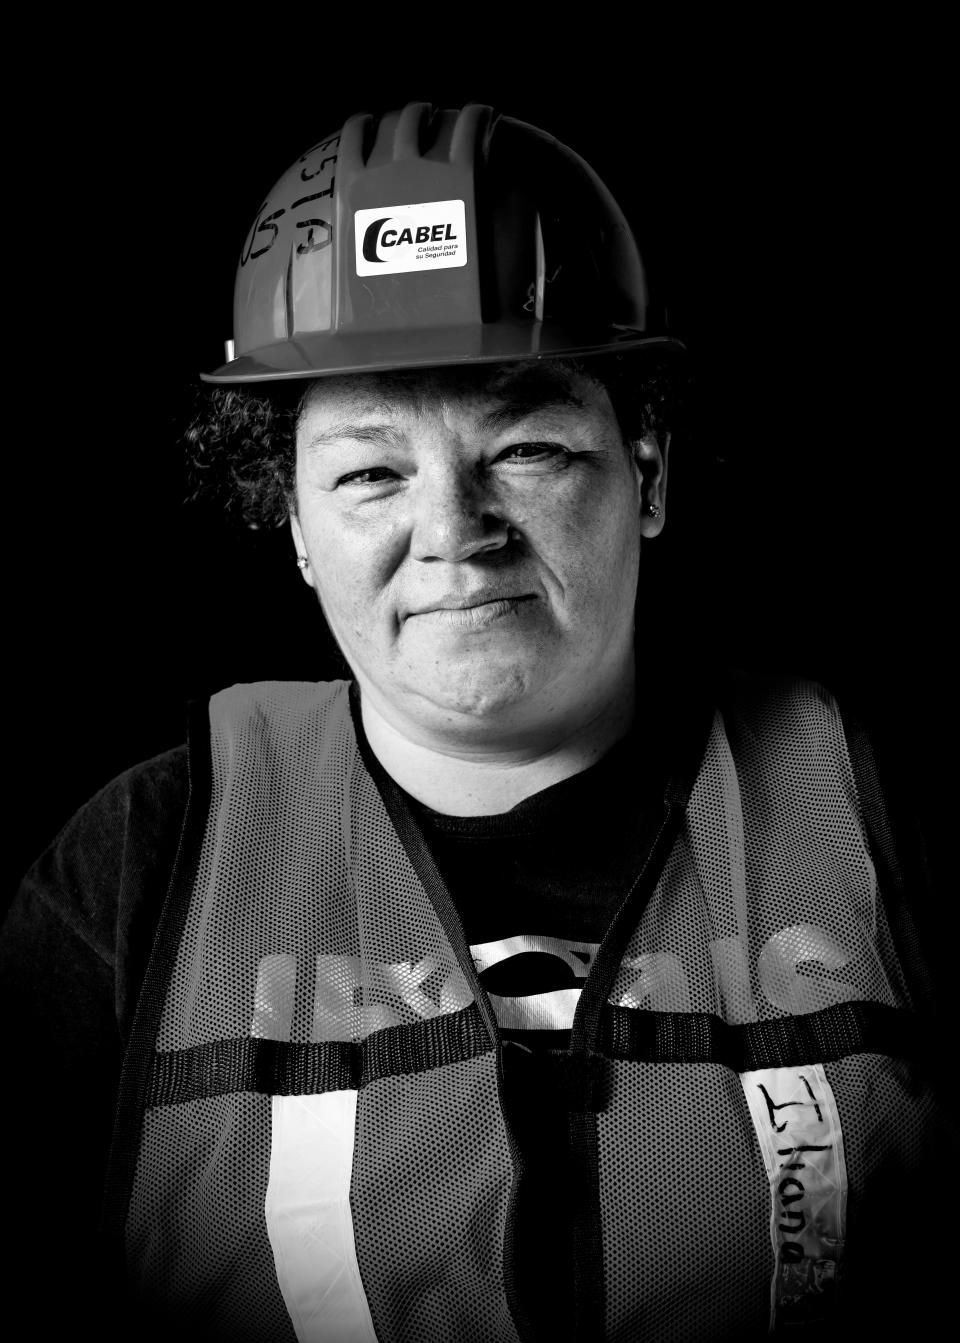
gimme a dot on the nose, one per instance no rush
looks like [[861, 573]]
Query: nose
[[454, 517]]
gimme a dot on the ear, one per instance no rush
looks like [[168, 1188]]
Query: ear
[[301, 549], [650, 456]]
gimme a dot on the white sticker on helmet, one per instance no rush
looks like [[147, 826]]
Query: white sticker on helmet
[[396, 238]]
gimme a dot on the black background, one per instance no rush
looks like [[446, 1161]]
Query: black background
[[788, 187]]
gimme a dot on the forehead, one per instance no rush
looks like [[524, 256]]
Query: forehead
[[476, 390]]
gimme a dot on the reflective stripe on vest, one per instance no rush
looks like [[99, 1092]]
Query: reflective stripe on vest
[[309, 1220]]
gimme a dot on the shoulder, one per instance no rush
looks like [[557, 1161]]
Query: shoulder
[[104, 851], [833, 726], [782, 722], [862, 730], [787, 702], [283, 706], [873, 743], [78, 932], [276, 730]]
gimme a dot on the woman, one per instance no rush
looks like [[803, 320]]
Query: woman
[[496, 991]]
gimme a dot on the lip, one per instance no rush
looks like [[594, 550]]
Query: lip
[[476, 611], [469, 601]]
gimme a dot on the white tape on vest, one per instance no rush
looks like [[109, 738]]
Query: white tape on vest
[[309, 1221], [798, 1128]]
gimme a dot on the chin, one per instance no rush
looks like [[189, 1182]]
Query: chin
[[479, 693]]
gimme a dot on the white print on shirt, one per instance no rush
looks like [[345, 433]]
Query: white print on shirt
[[579, 956], [798, 1127], [552, 1010]]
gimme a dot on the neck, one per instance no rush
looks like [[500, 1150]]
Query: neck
[[448, 778]]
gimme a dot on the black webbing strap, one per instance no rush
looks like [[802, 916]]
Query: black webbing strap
[[284, 1068], [639, 1036], [264, 1067]]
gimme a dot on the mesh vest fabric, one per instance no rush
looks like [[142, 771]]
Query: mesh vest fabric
[[767, 910], [304, 890], [312, 959]]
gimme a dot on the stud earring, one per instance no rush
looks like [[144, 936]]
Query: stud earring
[[654, 510], [302, 561]]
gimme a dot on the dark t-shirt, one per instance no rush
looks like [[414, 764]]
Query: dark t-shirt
[[535, 886]]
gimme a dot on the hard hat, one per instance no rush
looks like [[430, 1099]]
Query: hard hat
[[430, 237]]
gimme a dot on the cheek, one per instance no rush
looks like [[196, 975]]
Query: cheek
[[352, 570], [596, 541], [338, 541], [606, 578]]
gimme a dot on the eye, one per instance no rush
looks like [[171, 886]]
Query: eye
[[532, 453], [371, 475]]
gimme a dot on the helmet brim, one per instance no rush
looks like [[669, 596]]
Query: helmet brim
[[325, 355]]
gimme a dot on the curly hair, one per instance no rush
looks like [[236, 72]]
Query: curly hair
[[241, 441], [241, 453]]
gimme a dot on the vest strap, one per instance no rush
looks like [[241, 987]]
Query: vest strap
[[832, 1033]]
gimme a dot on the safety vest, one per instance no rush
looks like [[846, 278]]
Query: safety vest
[[318, 1145]]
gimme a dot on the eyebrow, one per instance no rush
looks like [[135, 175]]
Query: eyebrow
[[522, 407], [494, 421], [378, 434]]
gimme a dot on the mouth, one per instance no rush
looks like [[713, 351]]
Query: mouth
[[473, 612]]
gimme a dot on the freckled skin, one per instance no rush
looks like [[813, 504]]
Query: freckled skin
[[442, 509]]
